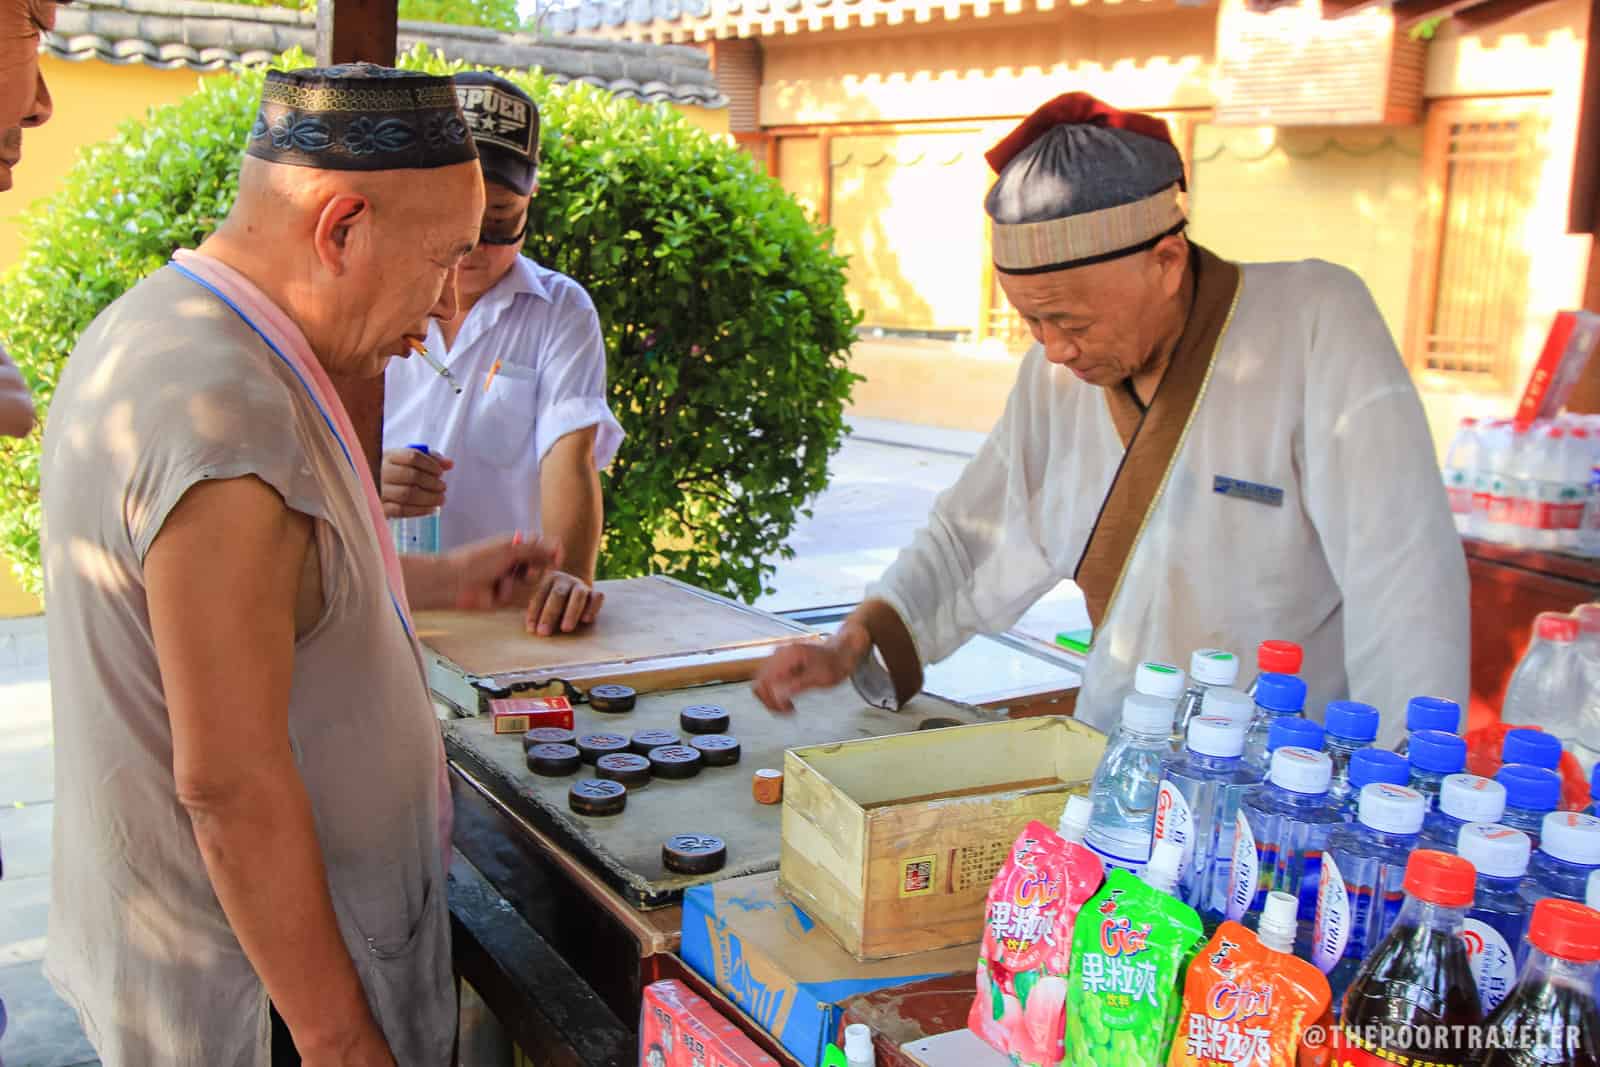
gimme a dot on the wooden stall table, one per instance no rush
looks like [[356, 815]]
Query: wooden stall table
[[907, 1013]]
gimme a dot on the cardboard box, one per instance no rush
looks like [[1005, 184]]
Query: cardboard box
[[518, 715], [1573, 337], [787, 973], [677, 1028], [891, 842]]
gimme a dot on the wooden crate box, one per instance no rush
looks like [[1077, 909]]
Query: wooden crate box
[[891, 842]]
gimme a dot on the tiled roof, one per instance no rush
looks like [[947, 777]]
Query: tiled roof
[[169, 34]]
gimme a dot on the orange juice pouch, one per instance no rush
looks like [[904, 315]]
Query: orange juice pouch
[[1027, 945], [1248, 1005]]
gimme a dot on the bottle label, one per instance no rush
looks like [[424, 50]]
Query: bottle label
[[1494, 965], [1246, 875], [1175, 822], [1333, 916], [1128, 849]]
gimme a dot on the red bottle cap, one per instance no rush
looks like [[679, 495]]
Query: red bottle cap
[[1440, 878], [1566, 929], [1556, 626], [1279, 657]]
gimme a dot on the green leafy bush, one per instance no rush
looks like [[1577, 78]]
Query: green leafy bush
[[722, 305]]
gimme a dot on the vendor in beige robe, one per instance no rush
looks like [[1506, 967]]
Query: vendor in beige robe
[[1217, 453]]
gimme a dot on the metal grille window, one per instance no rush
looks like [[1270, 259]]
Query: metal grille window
[[1481, 162]]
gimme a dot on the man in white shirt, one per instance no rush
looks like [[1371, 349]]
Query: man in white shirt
[[520, 429], [1216, 453]]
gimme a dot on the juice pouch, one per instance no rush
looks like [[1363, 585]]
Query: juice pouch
[[1246, 1005], [1027, 944], [1129, 949]]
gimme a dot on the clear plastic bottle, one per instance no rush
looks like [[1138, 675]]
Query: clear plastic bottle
[[1546, 686], [1226, 702], [1568, 852], [1373, 765], [1275, 657], [1520, 481], [1588, 540], [1363, 867], [1277, 696], [1532, 746], [1587, 746], [1301, 733], [1463, 799], [1350, 727], [1531, 794], [1551, 1016], [419, 535], [1209, 668], [1490, 504], [1197, 809], [1434, 756], [1280, 835], [1430, 713], [1460, 473], [1418, 977], [1159, 680], [1128, 780], [1498, 919]]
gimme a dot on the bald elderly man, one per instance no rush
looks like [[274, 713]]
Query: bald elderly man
[[251, 822]]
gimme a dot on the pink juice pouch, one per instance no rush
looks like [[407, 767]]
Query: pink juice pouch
[[1020, 1008]]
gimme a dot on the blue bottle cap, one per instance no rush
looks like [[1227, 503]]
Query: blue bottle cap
[[1437, 752], [1377, 765], [1352, 720], [1533, 747], [1281, 692], [1432, 713], [1530, 788], [1293, 731]]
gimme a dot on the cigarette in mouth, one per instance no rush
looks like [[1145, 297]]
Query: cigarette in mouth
[[439, 368]]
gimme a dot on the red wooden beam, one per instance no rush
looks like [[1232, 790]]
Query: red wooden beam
[[1585, 198]]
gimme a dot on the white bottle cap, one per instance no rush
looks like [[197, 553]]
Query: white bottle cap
[[858, 1044], [1161, 872], [1145, 714], [1392, 809], [1471, 798], [1278, 920], [1225, 702], [1301, 770], [1592, 898], [1497, 851], [1211, 736], [1074, 822], [1159, 680], [1214, 666], [1571, 837]]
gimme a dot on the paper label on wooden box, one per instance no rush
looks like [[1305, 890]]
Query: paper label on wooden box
[[916, 876]]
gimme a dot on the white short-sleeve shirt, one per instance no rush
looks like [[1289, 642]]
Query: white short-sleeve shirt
[[542, 327]]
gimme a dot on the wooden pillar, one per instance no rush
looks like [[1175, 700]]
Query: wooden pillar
[[360, 31]]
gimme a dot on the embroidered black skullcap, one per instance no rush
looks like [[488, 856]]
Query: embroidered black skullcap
[[358, 116], [505, 123]]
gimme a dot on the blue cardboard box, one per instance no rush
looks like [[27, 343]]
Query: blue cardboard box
[[786, 972]]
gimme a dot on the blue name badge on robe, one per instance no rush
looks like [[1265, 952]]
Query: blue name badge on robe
[[1270, 495]]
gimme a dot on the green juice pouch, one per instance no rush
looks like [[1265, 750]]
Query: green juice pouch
[[1130, 947]]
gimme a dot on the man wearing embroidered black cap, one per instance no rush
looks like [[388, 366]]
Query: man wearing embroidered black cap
[[1217, 454], [252, 818], [521, 445]]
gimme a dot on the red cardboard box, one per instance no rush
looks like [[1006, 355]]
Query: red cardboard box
[[677, 1028], [1572, 339], [518, 715]]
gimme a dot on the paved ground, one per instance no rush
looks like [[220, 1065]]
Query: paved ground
[[884, 480]]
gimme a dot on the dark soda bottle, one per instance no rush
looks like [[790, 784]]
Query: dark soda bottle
[[1414, 999], [1550, 1016]]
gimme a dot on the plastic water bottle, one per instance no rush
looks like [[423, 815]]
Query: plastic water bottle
[[1530, 745], [1369, 766], [1463, 799], [1434, 756], [1197, 809], [1301, 733], [1430, 713], [1587, 746], [1460, 473], [1498, 918], [1521, 488], [1127, 781], [1589, 535], [1277, 696], [1209, 668], [1531, 794], [1568, 852], [1546, 687], [418, 535], [1551, 1015], [1280, 834], [1351, 726], [1226, 702], [1074, 824], [1363, 871], [1159, 680], [1275, 657]]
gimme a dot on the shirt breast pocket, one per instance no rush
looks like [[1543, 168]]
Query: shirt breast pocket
[[504, 433]]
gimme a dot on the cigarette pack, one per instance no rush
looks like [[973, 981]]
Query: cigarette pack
[[1572, 340], [677, 1028], [518, 715]]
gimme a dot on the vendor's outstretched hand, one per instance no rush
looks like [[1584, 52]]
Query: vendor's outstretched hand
[[499, 572], [804, 665], [561, 603]]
